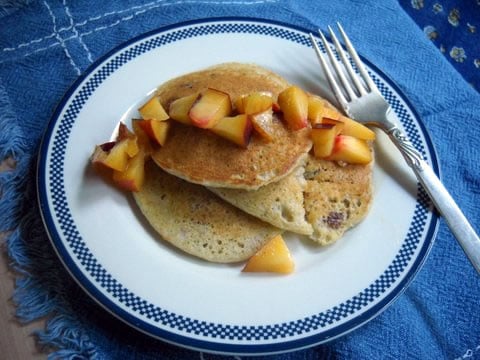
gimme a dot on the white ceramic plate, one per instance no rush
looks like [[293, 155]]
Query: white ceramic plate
[[114, 255]]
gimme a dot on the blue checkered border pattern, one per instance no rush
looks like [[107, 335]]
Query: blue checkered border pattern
[[185, 324]]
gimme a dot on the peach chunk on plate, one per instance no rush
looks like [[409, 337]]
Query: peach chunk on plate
[[143, 139], [156, 130], [113, 155], [124, 133], [132, 177], [273, 257], [153, 109]]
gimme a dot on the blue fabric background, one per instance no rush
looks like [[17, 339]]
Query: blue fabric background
[[454, 27], [46, 44]]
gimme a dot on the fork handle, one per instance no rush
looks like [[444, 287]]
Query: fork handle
[[445, 204]]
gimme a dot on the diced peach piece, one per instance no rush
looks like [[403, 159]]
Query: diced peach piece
[[276, 107], [293, 102], [115, 158], [237, 129], [274, 256], [356, 129], [238, 103], [124, 133], [323, 137], [153, 109], [331, 113], [132, 148], [263, 124], [351, 150], [143, 139], [132, 178], [257, 102], [156, 130], [209, 107], [316, 107], [351, 128], [180, 108], [339, 125], [100, 155], [107, 146]]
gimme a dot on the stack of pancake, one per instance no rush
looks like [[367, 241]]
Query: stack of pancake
[[220, 202]]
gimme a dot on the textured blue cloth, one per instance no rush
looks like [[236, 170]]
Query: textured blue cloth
[[46, 44], [454, 27]]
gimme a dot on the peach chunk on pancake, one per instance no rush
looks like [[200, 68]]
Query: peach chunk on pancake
[[207, 159]]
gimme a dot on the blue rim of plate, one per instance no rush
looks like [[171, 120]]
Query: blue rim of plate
[[248, 335]]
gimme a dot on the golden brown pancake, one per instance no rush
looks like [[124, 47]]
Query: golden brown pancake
[[279, 203], [336, 197], [198, 156], [269, 187], [321, 199], [198, 222]]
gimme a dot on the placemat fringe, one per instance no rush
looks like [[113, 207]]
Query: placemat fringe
[[40, 284], [64, 333]]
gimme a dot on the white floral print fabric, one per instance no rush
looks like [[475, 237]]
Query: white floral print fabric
[[454, 26]]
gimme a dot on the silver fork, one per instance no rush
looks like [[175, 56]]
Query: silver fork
[[362, 101]]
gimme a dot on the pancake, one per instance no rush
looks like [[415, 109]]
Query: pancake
[[321, 199], [201, 157], [336, 197], [326, 201], [193, 219], [280, 203], [219, 202]]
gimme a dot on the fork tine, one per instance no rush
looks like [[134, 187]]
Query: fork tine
[[336, 65], [333, 83], [348, 66], [356, 59]]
